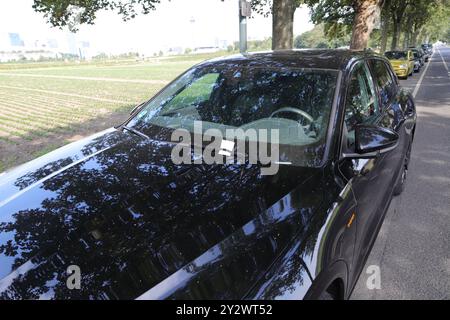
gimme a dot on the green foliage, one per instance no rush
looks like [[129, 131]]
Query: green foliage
[[446, 36], [260, 45], [252, 45], [336, 16], [437, 26], [421, 20], [264, 7], [72, 13], [418, 19], [316, 38]]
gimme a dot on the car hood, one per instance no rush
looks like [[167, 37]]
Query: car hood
[[398, 62], [115, 206]]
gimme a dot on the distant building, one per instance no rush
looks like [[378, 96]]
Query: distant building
[[15, 40], [206, 50], [17, 47], [175, 51], [52, 43]]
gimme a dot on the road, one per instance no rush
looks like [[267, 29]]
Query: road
[[413, 247]]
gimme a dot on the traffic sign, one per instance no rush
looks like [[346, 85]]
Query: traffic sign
[[246, 8]]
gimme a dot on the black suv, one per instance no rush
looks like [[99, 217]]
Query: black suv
[[136, 223]]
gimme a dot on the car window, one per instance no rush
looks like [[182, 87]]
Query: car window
[[396, 55], [292, 103], [384, 80], [361, 106], [197, 92]]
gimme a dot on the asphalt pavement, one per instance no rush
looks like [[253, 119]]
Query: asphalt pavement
[[412, 250]]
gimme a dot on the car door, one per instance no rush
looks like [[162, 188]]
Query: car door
[[394, 117], [362, 106], [410, 61]]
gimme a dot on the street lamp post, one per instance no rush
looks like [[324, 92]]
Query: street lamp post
[[245, 12]]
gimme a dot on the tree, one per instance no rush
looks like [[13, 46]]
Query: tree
[[71, 13], [397, 9], [385, 25], [415, 18], [366, 14], [343, 16], [316, 38], [283, 23], [282, 20], [438, 23], [336, 16]]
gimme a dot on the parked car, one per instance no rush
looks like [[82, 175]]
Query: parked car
[[418, 61], [118, 210], [428, 47], [420, 54], [425, 54], [402, 62]]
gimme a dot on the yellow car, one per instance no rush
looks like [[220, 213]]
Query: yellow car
[[402, 62]]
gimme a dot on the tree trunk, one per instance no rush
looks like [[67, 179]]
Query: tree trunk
[[385, 25], [395, 35], [407, 39], [397, 16], [414, 38], [417, 36], [384, 34], [367, 12], [408, 33], [283, 24]]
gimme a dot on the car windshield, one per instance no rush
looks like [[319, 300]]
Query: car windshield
[[396, 55], [295, 102]]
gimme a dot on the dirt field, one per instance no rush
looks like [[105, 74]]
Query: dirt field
[[46, 105]]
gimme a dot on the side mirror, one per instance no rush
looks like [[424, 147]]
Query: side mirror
[[371, 141]]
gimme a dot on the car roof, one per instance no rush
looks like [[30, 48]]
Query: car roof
[[334, 59], [398, 50]]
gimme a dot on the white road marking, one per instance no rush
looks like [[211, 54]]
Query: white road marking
[[443, 61], [416, 89], [103, 79], [69, 94]]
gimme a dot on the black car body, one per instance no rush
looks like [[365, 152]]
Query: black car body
[[421, 56], [139, 226], [428, 48], [418, 60], [425, 54]]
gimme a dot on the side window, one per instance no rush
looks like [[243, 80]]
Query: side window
[[361, 105], [410, 56], [384, 80]]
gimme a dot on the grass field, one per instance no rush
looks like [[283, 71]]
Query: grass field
[[46, 105]]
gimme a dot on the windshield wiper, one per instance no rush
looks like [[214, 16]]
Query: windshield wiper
[[136, 132]]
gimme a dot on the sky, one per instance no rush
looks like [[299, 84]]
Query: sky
[[170, 25]]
